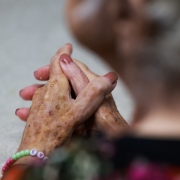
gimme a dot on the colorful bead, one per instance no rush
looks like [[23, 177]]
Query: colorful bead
[[22, 153], [27, 152], [3, 169], [11, 160], [14, 157], [8, 162], [33, 152], [40, 155], [18, 155]]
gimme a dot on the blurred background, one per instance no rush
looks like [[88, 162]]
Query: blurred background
[[31, 32]]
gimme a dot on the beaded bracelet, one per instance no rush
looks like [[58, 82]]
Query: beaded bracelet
[[20, 154]]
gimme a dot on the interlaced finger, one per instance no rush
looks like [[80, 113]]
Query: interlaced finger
[[74, 74]]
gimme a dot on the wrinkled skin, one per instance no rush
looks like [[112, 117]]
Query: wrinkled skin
[[54, 114], [106, 119]]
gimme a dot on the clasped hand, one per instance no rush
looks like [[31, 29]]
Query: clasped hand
[[54, 115]]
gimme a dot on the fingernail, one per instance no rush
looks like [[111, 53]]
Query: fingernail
[[20, 92], [16, 111], [65, 59], [112, 77], [35, 72]]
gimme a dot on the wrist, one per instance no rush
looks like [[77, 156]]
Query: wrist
[[25, 157], [29, 157], [29, 160]]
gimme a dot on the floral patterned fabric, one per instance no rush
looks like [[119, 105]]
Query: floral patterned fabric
[[99, 159]]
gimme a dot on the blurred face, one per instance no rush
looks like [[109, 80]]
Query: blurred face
[[91, 23], [108, 27]]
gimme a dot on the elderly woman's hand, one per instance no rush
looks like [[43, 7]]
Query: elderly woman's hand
[[106, 119], [54, 115]]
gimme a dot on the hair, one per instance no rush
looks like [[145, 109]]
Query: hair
[[159, 59], [153, 74]]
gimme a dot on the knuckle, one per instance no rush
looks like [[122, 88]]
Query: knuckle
[[100, 85], [53, 81], [38, 91], [97, 87]]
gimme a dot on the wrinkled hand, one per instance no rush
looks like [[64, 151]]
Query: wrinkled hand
[[106, 119], [54, 115]]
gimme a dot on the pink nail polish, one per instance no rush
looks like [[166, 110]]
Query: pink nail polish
[[34, 73], [65, 59], [20, 92], [112, 77], [16, 112]]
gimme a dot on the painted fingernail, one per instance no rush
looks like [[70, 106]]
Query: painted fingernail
[[16, 112], [20, 92], [112, 77], [65, 59], [35, 72]]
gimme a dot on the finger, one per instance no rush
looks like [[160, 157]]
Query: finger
[[74, 74], [91, 75], [42, 73], [57, 79], [108, 119], [22, 113], [28, 92], [89, 100], [66, 49]]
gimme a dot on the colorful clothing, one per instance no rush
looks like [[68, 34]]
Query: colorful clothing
[[98, 159]]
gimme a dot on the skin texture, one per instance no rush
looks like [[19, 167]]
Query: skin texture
[[54, 114], [106, 119], [117, 30]]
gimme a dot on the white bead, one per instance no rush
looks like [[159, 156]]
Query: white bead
[[33, 152], [45, 159], [40, 155]]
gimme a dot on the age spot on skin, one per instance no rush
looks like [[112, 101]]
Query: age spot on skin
[[50, 113], [57, 107]]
